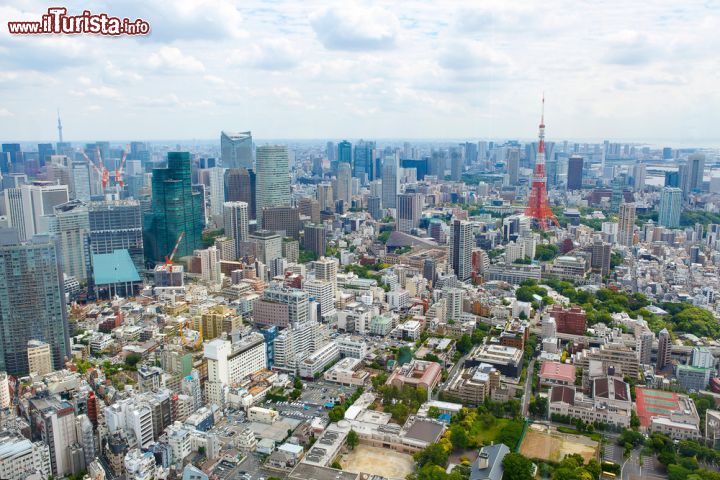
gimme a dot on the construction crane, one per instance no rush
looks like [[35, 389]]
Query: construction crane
[[169, 259], [92, 164], [119, 170], [105, 177]]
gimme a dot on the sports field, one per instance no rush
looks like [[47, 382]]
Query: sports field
[[378, 461], [554, 446]]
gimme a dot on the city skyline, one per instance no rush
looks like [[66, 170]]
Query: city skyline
[[635, 73]]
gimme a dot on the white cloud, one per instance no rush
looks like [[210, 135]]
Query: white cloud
[[113, 74], [173, 60], [270, 54], [349, 26], [4, 112]]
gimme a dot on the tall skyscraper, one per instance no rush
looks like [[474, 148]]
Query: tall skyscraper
[[409, 209], [236, 149], [374, 207], [456, 164], [240, 187], [15, 211], [343, 185], [325, 196], [639, 174], [390, 182], [217, 190], [672, 179], [670, 207], [344, 152], [364, 160], [81, 180], [626, 224], [664, 347], [600, 257], [575, 172], [513, 166], [175, 208], [461, 244], [71, 227], [236, 221], [695, 171], [32, 301], [117, 225], [273, 178]]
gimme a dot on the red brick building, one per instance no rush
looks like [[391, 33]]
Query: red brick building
[[569, 320]]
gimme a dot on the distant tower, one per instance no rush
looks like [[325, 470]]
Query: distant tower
[[59, 127], [538, 207]]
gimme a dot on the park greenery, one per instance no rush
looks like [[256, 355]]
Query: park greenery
[[682, 316], [545, 253]]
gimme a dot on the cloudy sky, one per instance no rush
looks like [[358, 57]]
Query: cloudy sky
[[413, 69]]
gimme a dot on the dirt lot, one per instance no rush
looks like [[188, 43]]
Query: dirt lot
[[378, 461], [553, 446]]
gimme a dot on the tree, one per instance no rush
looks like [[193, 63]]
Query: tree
[[459, 437], [336, 413], [539, 406], [517, 467], [433, 412], [132, 359], [352, 440], [434, 454], [335, 464], [634, 420], [464, 344]]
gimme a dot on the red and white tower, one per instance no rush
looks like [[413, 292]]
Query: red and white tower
[[538, 206]]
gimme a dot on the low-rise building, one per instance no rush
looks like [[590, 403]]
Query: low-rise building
[[416, 373], [508, 360], [667, 412], [347, 372], [610, 403], [473, 385], [556, 373], [262, 415]]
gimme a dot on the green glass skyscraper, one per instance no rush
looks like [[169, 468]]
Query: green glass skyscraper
[[32, 301], [175, 209]]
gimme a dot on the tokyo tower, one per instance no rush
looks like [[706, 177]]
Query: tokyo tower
[[538, 207]]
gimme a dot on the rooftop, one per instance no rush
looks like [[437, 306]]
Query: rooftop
[[115, 267]]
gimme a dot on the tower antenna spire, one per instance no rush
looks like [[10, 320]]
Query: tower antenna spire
[[59, 127]]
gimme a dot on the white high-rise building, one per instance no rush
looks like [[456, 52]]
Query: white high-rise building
[[39, 357], [323, 292], [230, 363], [644, 343], [217, 190], [272, 178], [70, 225], [344, 183], [236, 149], [4, 391], [454, 302], [210, 265], [236, 223], [15, 211], [390, 181], [39, 200], [81, 181]]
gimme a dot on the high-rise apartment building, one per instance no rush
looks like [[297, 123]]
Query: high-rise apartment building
[[390, 182], [626, 224], [217, 190], [81, 181], [575, 172], [236, 149], [32, 301], [664, 348], [456, 164], [325, 197], [283, 220], [273, 178], [639, 174], [461, 245], [670, 207], [409, 210], [117, 225], [235, 222], [175, 208], [310, 208]]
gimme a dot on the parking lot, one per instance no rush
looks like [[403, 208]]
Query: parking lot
[[250, 468], [321, 392]]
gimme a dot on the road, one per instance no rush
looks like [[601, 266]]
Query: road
[[528, 387], [631, 468]]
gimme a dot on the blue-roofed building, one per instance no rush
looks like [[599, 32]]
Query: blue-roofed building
[[115, 274], [488, 465]]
